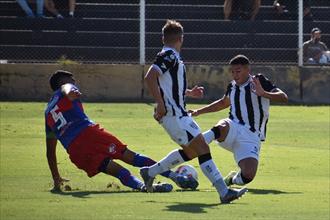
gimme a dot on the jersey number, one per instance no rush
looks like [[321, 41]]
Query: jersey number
[[58, 116]]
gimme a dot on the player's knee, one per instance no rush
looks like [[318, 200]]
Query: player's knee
[[221, 130], [248, 176], [216, 131]]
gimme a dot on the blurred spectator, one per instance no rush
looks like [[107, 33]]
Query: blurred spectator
[[319, 57], [241, 9], [314, 49], [288, 9], [28, 11], [51, 7]]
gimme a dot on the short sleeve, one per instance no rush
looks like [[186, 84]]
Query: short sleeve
[[266, 84], [165, 60]]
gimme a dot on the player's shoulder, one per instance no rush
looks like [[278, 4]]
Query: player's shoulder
[[168, 54], [230, 85], [261, 77], [56, 97], [265, 82]]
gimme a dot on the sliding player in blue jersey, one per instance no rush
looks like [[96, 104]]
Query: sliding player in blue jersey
[[90, 147]]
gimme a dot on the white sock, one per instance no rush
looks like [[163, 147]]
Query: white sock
[[213, 174], [208, 136], [71, 13], [171, 160], [237, 179]]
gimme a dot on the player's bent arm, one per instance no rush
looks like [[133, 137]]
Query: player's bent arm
[[51, 158], [215, 106], [151, 80], [276, 95], [196, 92]]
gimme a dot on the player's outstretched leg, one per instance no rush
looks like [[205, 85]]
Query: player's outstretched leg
[[173, 159], [181, 181], [139, 160], [127, 179]]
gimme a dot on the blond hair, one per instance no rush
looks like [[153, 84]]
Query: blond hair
[[172, 31]]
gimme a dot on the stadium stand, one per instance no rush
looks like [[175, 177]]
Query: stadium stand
[[107, 31]]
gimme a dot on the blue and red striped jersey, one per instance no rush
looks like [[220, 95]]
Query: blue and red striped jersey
[[65, 119]]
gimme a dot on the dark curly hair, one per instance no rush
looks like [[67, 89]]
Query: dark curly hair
[[55, 77]]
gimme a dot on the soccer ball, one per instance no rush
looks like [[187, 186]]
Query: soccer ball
[[187, 170]]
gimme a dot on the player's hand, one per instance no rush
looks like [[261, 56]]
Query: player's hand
[[74, 94], [193, 113], [257, 88], [159, 112], [196, 92]]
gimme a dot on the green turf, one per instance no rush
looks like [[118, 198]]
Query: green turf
[[292, 182]]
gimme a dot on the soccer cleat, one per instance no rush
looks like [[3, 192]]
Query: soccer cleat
[[162, 187], [158, 187], [148, 180], [232, 194], [186, 182], [229, 178]]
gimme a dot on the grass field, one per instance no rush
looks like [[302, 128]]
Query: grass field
[[292, 181]]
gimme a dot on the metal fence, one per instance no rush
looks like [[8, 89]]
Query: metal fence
[[113, 31]]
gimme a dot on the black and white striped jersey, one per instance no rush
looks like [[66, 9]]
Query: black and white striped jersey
[[172, 81], [248, 109]]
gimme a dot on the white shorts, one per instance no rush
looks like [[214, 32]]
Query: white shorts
[[241, 141], [181, 129]]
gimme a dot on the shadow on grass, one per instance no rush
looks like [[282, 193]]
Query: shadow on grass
[[269, 191], [86, 194], [190, 207]]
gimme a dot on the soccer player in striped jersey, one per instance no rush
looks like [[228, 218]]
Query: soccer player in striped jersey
[[90, 147], [248, 97], [166, 80]]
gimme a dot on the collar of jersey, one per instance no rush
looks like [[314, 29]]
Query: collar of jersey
[[165, 48], [246, 83]]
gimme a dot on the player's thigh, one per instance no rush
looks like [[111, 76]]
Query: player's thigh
[[247, 145], [128, 156], [113, 168], [182, 130], [230, 135]]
